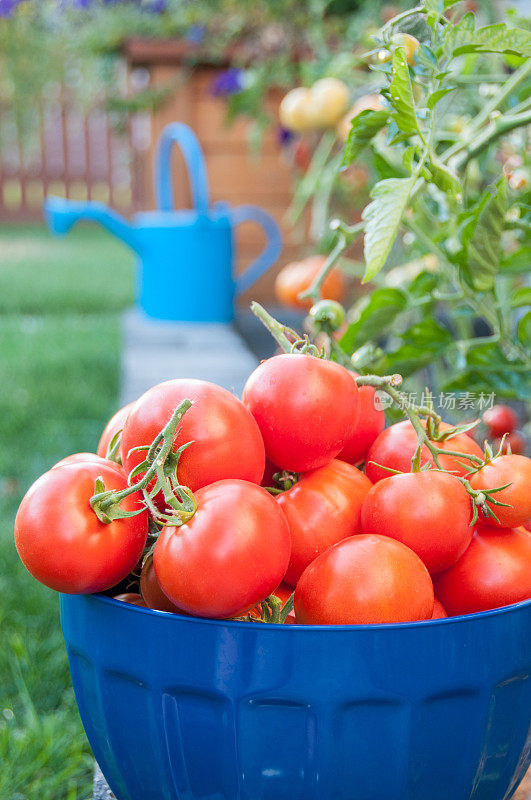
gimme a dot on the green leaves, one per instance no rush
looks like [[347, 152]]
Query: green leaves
[[382, 220], [372, 315], [488, 370], [434, 98], [364, 127], [522, 297], [400, 95], [443, 178], [481, 237], [498, 39], [463, 38], [421, 345]]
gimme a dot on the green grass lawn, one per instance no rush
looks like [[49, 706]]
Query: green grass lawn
[[60, 302]]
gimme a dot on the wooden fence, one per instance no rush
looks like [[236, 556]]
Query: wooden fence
[[72, 152]]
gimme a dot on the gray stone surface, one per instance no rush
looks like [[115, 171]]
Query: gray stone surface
[[101, 790], [155, 351]]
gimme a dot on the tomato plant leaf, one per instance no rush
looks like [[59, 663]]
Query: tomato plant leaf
[[371, 316], [522, 297], [443, 177], [382, 219], [517, 261], [497, 39], [524, 329], [457, 35], [482, 238], [364, 127], [488, 370], [400, 94], [434, 98], [421, 344]]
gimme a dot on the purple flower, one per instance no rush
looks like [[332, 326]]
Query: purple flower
[[8, 6], [157, 6], [284, 136], [195, 34], [228, 82]]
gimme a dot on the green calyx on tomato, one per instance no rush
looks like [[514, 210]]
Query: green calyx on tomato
[[159, 471]]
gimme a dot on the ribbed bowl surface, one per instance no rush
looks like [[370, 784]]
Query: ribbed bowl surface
[[177, 708]]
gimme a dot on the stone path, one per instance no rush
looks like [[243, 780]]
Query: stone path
[[155, 351]]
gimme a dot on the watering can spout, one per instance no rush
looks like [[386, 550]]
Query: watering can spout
[[61, 214]]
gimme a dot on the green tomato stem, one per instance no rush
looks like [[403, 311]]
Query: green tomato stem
[[106, 503]]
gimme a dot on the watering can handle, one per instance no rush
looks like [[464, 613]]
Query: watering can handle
[[271, 251], [181, 134]]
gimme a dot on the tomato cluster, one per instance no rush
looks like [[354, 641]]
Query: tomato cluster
[[258, 509]]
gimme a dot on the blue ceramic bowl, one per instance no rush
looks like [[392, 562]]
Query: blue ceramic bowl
[[177, 708]]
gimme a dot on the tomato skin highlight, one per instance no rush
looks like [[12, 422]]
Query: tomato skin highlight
[[396, 446], [82, 458], [512, 469], [306, 409], [62, 543], [430, 512], [133, 598], [151, 592], [494, 572], [370, 423], [115, 424], [226, 442], [363, 580], [230, 556], [321, 509]]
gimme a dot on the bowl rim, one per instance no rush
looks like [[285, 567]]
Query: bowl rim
[[415, 625]]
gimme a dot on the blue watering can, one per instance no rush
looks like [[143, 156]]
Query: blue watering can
[[185, 257]]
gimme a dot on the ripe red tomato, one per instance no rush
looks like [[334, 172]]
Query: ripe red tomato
[[495, 571], [131, 597], [439, 611], [115, 424], [150, 589], [232, 554], [82, 458], [429, 511], [297, 276], [61, 541], [363, 580], [500, 419], [322, 508], [305, 407], [226, 442], [396, 446], [515, 470], [369, 425]]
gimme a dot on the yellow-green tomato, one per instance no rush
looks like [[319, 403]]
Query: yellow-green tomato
[[330, 99], [372, 102], [409, 43], [296, 110]]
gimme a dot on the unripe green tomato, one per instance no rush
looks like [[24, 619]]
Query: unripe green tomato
[[329, 313]]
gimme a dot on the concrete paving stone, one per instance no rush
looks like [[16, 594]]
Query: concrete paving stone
[[155, 351]]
